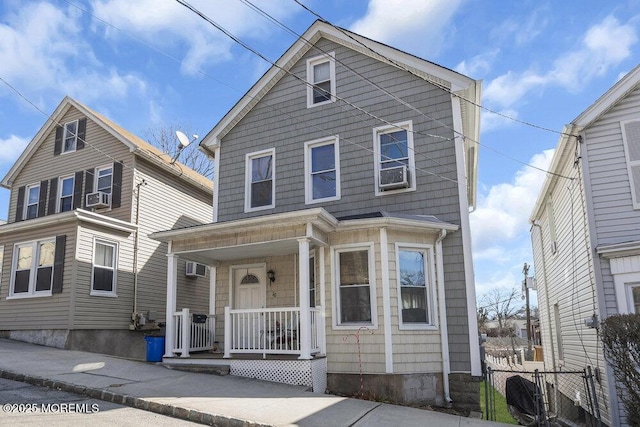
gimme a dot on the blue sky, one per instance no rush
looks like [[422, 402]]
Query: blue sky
[[149, 63]]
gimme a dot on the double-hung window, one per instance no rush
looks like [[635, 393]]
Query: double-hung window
[[33, 268], [355, 286], [104, 179], [105, 255], [70, 137], [394, 158], [65, 200], [631, 140], [32, 201], [260, 180], [321, 78], [414, 267], [322, 170]]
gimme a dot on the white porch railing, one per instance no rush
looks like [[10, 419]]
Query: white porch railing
[[193, 332], [270, 331]]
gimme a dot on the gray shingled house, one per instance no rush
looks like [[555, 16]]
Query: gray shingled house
[[340, 244]]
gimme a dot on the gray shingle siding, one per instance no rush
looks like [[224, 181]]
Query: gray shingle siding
[[281, 120]]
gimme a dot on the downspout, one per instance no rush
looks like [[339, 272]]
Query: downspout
[[135, 251], [444, 334]]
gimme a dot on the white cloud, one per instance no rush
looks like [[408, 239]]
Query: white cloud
[[479, 65], [417, 24], [168, 24], [49, 53], [604, 45], [522, 32], [11, 148], [503, 213], [490, 121]]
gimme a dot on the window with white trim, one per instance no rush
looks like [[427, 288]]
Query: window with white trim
[[354, 286], [103, 278], [65, 191], [558, 327], [70, 137], [322, 170], [321, 76], [552, 228], [260, 180], [394, 158], [415, 285], [104, 179], [312, 280], [32, 268], [633, 297], [631, 141], [32, 201]]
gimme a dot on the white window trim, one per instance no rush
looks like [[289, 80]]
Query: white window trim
[[25, 206], [59, 199], [623, 283], [630, 163], [335, 284], [430, 276], [64, 137], [96, 171], [247, 179], [308, 181], [411, 170], [311, 62], [116, 246], [32, 293]]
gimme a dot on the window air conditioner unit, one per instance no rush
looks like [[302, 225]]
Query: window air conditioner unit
[[98, 199], [393, 178], [193, 269]]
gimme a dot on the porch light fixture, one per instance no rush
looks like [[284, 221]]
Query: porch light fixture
[[271, 275]]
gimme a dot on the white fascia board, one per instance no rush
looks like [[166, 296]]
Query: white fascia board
[[395, 223], [76, 215]]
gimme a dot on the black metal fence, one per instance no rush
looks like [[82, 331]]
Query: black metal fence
[[544, 398]]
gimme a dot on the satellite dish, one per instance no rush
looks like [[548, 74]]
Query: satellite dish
[[184, 141]]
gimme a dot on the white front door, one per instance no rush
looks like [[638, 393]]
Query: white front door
[[249, 292]]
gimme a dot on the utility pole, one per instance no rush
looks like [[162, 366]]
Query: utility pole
[[525, 271]]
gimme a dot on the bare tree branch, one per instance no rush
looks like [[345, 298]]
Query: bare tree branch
[[164, 138]]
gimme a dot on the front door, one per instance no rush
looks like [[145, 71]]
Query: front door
[[249, 292]]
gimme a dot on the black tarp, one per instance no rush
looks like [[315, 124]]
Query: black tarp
[[521, 394]]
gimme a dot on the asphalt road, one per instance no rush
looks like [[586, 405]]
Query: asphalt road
[[24, 404]]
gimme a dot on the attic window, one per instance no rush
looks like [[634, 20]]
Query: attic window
[[321, 76], [70, 138]]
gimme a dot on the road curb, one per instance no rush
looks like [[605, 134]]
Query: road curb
[[133, 402]]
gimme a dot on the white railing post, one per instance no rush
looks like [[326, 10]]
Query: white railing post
[[172, 287], [305, 312], [186, 332], [227, 333], [322, 339]]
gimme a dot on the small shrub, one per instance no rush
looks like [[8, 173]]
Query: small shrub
[[621, 342]]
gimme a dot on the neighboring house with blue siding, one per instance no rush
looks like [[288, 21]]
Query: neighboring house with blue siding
[[78, 268], [586, 237], [340, 233]]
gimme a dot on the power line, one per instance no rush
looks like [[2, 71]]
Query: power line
[[446, 89]]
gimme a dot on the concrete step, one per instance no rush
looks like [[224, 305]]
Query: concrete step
[[201, 369]]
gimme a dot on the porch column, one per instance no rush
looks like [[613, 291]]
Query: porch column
[[172, 291], [305, 313]]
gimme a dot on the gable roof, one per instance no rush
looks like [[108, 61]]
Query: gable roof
[[135, 144], [596, 110], [458, 84]]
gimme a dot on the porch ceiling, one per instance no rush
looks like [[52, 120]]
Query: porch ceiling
[[250, 250]]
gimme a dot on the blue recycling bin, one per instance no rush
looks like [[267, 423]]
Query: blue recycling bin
[[155, 348]]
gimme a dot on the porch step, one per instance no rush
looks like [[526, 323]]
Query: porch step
[[201, 369]]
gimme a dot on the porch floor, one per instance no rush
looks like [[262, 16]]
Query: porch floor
[[205, 355]]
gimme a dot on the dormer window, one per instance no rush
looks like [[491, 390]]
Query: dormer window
[[321, 74], [70, 137]]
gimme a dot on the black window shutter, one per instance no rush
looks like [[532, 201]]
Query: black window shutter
[[57, 148], [82, 131], [116, 190], [53, 194], [20, 204], [42, 201], [77, 190], [88, 184], [58, 263]]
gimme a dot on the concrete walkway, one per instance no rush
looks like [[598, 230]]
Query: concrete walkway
[[203, 398]]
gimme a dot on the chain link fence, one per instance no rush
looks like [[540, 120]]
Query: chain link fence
[[544, 398]]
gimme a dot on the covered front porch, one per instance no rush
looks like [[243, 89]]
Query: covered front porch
[[266, 278]]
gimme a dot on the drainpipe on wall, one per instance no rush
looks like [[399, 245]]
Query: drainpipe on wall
[[135, 252], [444, 334]]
